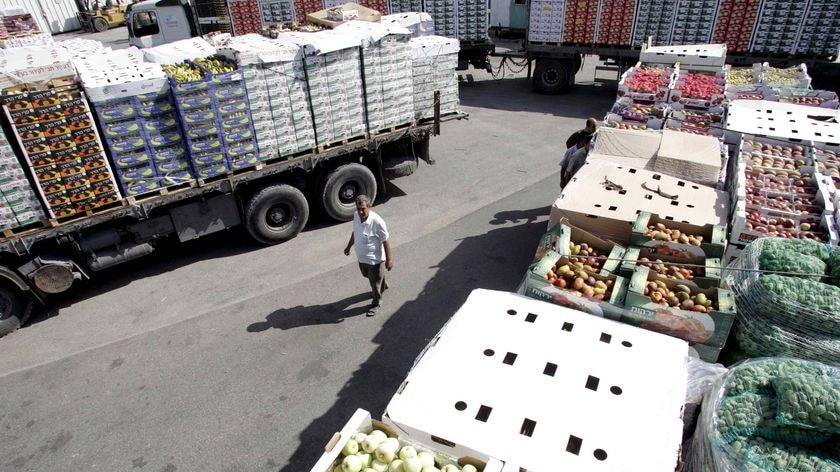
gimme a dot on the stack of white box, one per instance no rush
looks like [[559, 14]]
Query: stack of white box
[[386, 56], [434, 61], [179, 51], [472, 20], [546, 21], [445, 15], [419, 24], [404, 6], [545, 388], [19, 206], [333, 68]]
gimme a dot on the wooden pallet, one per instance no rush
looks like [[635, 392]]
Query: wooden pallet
[[545, 43], [229, 174], [133, 199], [12, 232], [326, 147], [393, 129]]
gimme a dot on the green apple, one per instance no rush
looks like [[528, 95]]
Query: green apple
[[394, 442], [450, 468], [385, 452], [351, 464], [407, 452], [379, 466], [430, 468], [359, 437], [412, 464], [351, 448], [427, 458], [469, 468], [396, 466], [366, 459], [371, 443]]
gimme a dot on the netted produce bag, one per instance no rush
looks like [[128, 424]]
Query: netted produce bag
[[746, 423], [790, 313]]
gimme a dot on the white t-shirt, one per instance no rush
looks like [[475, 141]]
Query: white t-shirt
[[368, 237]]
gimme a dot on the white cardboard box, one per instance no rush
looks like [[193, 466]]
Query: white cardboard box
[[546, 388], [783, 120]]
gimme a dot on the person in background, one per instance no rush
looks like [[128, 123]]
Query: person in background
[[589, 130], [575, 160], [373, 249]]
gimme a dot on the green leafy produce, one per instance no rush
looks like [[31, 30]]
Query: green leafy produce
[[806, 247], [786, 261], [834, 267], [817, 296], [757, 377], [769, 456], [755, 415], [810, 401]]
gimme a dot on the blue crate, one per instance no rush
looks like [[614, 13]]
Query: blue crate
[[242, 148], [133, 174], [236, 122], [132, 160], [230, 93], [155, 109], [147, 98], [140, 187], [160, 123], [115, 110], [203, 131], [235, 135], [205, 145], [169, 153], [196, 87], [230, 108], [176, 178], [244, 162], [190, 103], [203, 115], [126, 144], [211, 171], [168, 138], [226, 78], [173, 165], [208, 159], [116, 129]]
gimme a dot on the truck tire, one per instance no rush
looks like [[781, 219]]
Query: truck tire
[[340, 188], [100, 24], [400, 166], [15, 308], [551, 76], [276, 214]]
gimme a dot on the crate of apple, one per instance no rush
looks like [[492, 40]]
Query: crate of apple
[[660, 232], [583, 256], [648, 79], [377, 452], [803, 227], [777, 149], [791, 77], [670, 270], [578, 281], [699, 86], [681, 296]]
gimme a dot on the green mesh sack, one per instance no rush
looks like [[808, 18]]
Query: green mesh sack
[[834, 267], [757, 377], [755, 415], [770, 456], [822, 299], [809, 401], [792, 262], [758, 338], [800, 246]]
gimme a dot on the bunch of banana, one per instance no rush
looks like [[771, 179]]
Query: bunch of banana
[[182, 72], [215, 65]]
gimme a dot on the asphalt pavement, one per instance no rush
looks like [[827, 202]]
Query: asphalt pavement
[[222, 355]]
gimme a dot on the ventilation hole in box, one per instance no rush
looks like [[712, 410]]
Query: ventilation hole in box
[[606, 338], [460, 406], [530, 318], [622, 192], [794, 131], [818, 134], [616, 390], [680, 184], [597, 205], [632, 171], [675, 203], [509, 359], [772, 129], [613, 208], [626, 344], [592, 383], [695, 187], [489, 352], [568, 326], [550, 369], [573, 445], [670, 218], [638, 211], [445, 442], [656, 176], [600, 454], [528, 427], [649, 197], [511, 312], [690, 205], [483, 413]]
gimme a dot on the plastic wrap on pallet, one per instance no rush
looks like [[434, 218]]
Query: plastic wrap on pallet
[[615, 22], [179, 51], [734, 24], [273, 12], [655, 20], [770, 320], [386, 57], [546, 20], [418, 23], [19, 205], [743, 425], [445, 15], [694, 21], [37, 39], [62, 147], [580, 21], [777, 27], [819, 34], [405, 6], [81, 48], [434, 61]]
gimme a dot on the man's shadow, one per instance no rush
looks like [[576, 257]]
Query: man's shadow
[[331, 313]]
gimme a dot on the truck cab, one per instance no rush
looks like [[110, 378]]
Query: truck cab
[[155, 22]]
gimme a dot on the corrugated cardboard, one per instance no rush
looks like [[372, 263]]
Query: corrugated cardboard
[[321, 17], [518, 390], [626, 147], [783, 120], [609, 211], [689, 156]]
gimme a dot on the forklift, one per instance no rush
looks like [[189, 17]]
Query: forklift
[[97, 19]]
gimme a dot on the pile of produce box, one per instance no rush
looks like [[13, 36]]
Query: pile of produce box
[[581, 20], [16, 26], [434, 60], [418, 23], [546, 19], [19, 206], [386, 56], [694, 21], [654, 19], [138, 120], [333, 69], [734, 25], [445, 15], [51, 120], [244, 16], [769, 414], [698, 90], [627, 113], [472, 20], [820, 30], [647, 83], [515, 357], [615, 22], [777, 27], [277, 12], [827, 162]]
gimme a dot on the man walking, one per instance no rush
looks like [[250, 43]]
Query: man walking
[[373, 249]]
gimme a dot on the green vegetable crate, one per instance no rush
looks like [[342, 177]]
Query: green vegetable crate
[[537, 285], [713, 243], [710, 328], [711, 269], [561, 235]]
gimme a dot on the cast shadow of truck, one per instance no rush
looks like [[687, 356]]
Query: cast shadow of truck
[[482, 261]]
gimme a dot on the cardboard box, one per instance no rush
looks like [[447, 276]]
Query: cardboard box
[[523, 396], [710, 328], [710, 266], [561, 236], [713, 244], [538, 286]]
